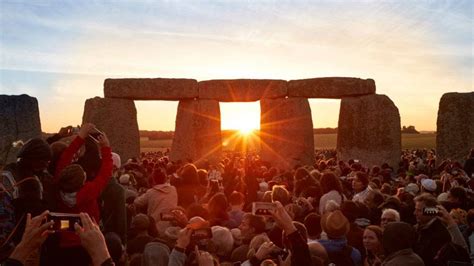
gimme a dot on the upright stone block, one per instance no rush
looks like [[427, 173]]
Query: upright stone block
[[455, 126], [369, 130], [19, 120], [286, 132], [330, 87], [118, 119], [197, 135], [151, 89], [242, 90]]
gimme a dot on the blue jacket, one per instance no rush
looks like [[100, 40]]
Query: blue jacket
[[336, 245]]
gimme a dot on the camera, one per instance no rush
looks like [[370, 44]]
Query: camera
[[280, 252], [202, 233], [63, 221], [95, 135], [263, 208]]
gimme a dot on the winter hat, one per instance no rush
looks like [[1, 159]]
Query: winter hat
[[223, 240], [141, 222], [335, 224], [71, 178], [412, 188], [429, 185], [35, 149], [117, 162]]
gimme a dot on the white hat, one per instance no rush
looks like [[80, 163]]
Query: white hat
[[428, 184], [124, 179], [442, 197], [116, 160], [412, 188]]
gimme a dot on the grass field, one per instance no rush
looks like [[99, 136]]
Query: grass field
[[321, 141]]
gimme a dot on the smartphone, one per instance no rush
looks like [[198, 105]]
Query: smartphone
[[430, 211], [202, 233], [95, 135], [167, 216], [64, 221], [263, 208]]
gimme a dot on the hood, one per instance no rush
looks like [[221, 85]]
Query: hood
[[164, 188]]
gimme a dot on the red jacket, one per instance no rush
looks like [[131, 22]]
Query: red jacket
[[87, 196]]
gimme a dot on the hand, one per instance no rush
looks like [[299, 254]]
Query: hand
[[180, 217], [65, 131], [92, 239], [203, 258], [85, 130], [444, 216], [265, 249], [286, 262], [283, 219], [184, 238], [103, 140], [33, 237]]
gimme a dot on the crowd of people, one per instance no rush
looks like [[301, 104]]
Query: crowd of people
[[69, 200]]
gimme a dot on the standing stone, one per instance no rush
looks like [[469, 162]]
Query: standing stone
[[330, 87], [369, 130], [197, 134], [455, 126], [118, 119], [286, 132], [19, 120]]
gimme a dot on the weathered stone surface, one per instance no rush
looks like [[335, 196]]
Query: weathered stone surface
[[455, 126], [19, 120], [118, 119], [330, 87], [242, 90], [198, 131], [286, 132], [369, 130], [151, 89]]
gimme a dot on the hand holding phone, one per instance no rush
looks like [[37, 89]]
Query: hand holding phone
[[63, 221]]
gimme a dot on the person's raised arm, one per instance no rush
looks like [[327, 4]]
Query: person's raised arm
[[95, 187], [74, 146]]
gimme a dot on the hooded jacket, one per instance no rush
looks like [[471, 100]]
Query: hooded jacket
[[158, 199]]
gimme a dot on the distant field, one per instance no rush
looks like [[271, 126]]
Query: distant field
[[321, 141]]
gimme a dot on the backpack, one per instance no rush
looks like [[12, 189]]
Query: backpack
[[452, 254], [342, 257]]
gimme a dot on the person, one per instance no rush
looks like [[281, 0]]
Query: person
[[161, 198], [76, 195], [389, 216], [251, 226], [360, 185], [432, 234], [469, 164], [332, 190], [236, 213], [188, 185], [336, 226], [398, 240], [372, 240]]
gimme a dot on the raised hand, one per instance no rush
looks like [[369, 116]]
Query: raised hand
[[85, 130], [92, 239]]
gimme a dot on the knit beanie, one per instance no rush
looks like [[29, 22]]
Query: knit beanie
[[35, 149], [71, 178]]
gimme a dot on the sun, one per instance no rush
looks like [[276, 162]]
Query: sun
[[245, 131]]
